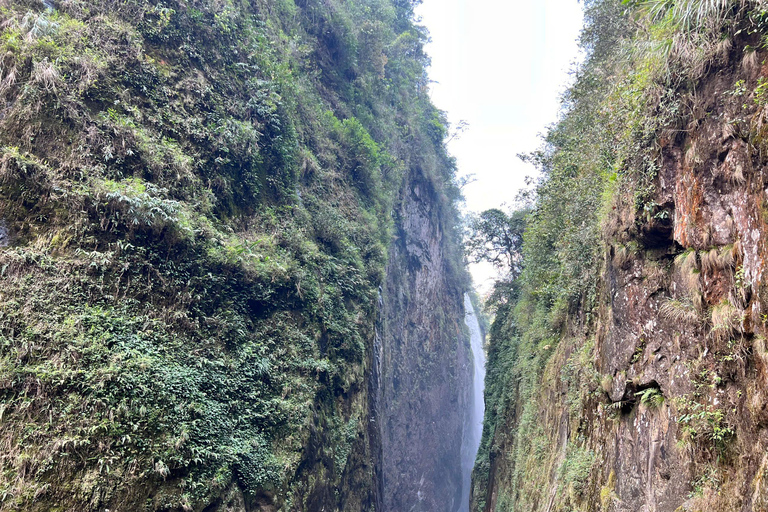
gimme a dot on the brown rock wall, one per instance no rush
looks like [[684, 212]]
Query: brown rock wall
[[679, 419]]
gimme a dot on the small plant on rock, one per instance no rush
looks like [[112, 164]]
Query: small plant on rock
[[651, 397]]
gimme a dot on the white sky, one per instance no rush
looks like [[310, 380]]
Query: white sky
[[500, 65]]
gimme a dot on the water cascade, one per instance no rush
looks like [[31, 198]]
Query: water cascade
[[474, 426]]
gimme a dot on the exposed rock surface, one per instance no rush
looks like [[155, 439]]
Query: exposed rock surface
[[670, 412], [426, 375]]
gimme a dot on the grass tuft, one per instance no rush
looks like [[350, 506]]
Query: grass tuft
[[677, 311], [726, 321]]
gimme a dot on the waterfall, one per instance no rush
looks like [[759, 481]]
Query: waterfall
[[473, 429]]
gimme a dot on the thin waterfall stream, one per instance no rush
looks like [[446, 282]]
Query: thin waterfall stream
[[474, 427]]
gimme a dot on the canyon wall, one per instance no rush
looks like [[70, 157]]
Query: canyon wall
[[426, 359], [645, 388], [224, 225]]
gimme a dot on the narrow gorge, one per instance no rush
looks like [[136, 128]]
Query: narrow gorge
[[234, 266]]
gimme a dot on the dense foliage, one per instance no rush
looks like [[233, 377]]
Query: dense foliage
[[196, 204]]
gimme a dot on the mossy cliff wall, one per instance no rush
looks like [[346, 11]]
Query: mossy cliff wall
[[199, 203], [627, 370]]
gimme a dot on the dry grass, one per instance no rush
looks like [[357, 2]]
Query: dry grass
[[726, 321], [696, 110], [751, 61], [654, 272], [710, 261], [737, 176], [692, 155], [9, 80], [758, 130], [737, 252], [729, 131], [309, 163], [723, 48], [622, 257], [687, 264], [760, 345], [680, 311], [716, 259], [90, 71], [694, 52], [729, 254], [46, 74]]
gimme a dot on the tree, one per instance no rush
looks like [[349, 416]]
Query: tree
[[497, 238]]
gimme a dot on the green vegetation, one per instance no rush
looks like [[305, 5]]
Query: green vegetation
[[497, 238], [701, 421], [705, 425], [200, 198], [710, 479], [575, 470], [651, 397], [596, 208]]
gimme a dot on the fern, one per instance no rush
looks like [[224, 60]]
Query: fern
[[652, 397]]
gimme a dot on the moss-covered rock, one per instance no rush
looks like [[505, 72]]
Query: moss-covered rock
[[195, 201]]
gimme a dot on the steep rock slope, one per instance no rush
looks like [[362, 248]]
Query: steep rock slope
[[426, 381], [197, 203], [627, 370]]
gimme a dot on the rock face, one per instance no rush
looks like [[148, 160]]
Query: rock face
[[686, 316], [425, 353], [658, 401]]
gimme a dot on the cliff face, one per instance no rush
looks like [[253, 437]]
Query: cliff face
[[425, 353], [197, 205], [648, 390]]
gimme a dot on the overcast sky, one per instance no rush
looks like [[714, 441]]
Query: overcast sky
[[500, 65]]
